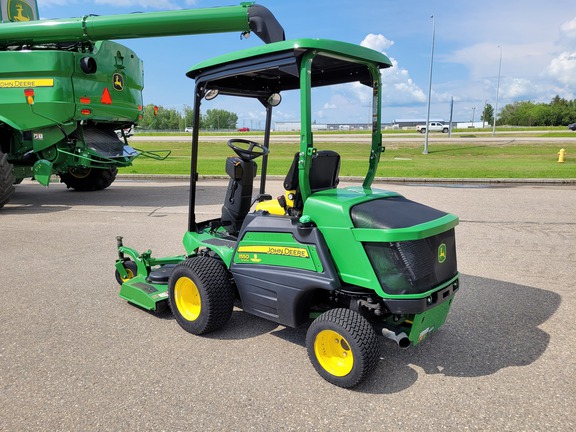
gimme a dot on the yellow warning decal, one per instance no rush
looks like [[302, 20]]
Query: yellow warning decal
[[27, 83], [275, 250]]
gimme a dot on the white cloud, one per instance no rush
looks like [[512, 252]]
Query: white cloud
[[377, 42], [398, 88], [562, 68]]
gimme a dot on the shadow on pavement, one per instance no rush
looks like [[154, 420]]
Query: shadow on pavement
[[492, 325], [34, 198]]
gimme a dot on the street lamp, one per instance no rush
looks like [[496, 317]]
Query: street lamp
[[497, 93], [429, 88], [473, 112]]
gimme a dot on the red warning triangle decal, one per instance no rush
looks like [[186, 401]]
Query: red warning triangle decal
[[106, 99]]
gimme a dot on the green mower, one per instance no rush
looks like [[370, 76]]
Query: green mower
[[357, 261]]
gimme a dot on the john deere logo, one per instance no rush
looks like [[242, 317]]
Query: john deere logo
[[19, 10], [441, 253], [118, 82]]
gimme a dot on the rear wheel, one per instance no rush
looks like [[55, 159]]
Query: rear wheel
[[201, 295], [343, 347], [6, 179], [89, 179]]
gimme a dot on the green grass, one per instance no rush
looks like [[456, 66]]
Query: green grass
[[474, 160]]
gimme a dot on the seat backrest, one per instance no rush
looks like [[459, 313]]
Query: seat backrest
[[323, 175]]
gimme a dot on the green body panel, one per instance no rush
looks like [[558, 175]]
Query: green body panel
[[330, 211], [313, 46], [63, 100], [426, 323], [142, 293], [277, 249], [53, 104], [193, 241]]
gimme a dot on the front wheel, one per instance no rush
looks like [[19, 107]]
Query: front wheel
[[201, 295], [423, 130], [445, 130], [89, 179], [343, 347], [131, 271]]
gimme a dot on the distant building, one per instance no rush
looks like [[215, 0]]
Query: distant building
[[280, 126]]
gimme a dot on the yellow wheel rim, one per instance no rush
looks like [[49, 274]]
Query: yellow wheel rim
[[333, 353], [187, 298], [130, 275]]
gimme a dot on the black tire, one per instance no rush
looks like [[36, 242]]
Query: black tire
[[423, 130], [343, 347], [6, 179], [89, 179], [131, 269], [201, 295], [445, 130]]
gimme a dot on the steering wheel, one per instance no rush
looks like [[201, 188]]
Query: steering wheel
[[247, 153]]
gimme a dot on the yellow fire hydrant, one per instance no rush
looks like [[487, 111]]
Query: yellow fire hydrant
[[561, 154]]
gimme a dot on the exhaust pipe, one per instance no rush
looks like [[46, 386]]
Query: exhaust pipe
[[400, 338]]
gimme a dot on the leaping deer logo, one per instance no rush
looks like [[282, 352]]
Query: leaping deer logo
[[441, 253], [118, 80]]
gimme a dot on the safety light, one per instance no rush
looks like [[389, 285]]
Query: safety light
[[106, 99], [29, 95], [155, 110], [86, 112], [84, 100]]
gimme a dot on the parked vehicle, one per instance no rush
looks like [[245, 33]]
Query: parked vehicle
[[572, 126], [244, 129], [357, 261], [433, 127], [68, 95]]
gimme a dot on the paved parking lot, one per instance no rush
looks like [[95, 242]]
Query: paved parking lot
[[75, 357]]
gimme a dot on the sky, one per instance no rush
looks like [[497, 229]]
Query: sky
[[535, 41]]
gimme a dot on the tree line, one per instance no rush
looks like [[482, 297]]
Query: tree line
[[559, 112], [157, 117]]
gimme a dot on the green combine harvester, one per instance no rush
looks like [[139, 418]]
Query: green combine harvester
[[66, 92], [358, 261]]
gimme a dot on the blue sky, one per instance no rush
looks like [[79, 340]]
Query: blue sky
[[537, 40]]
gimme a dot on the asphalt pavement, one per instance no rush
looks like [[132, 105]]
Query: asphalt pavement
[[76, 357]]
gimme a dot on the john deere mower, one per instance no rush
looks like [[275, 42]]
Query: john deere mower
[[356, 262]]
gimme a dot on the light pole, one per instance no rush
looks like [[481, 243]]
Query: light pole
[[429, 87], [473, 112], [497, 93]]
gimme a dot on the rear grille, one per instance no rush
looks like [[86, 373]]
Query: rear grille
[[416, 266]]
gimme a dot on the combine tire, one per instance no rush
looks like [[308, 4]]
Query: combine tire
[[89, 179], [343, 347], [201, 295], [6, 180]]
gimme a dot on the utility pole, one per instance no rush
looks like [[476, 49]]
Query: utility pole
[[429, 88], [450, 122], [497, 93]]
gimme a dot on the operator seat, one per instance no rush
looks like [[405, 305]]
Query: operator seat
[[323, 175], [238, 194]]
